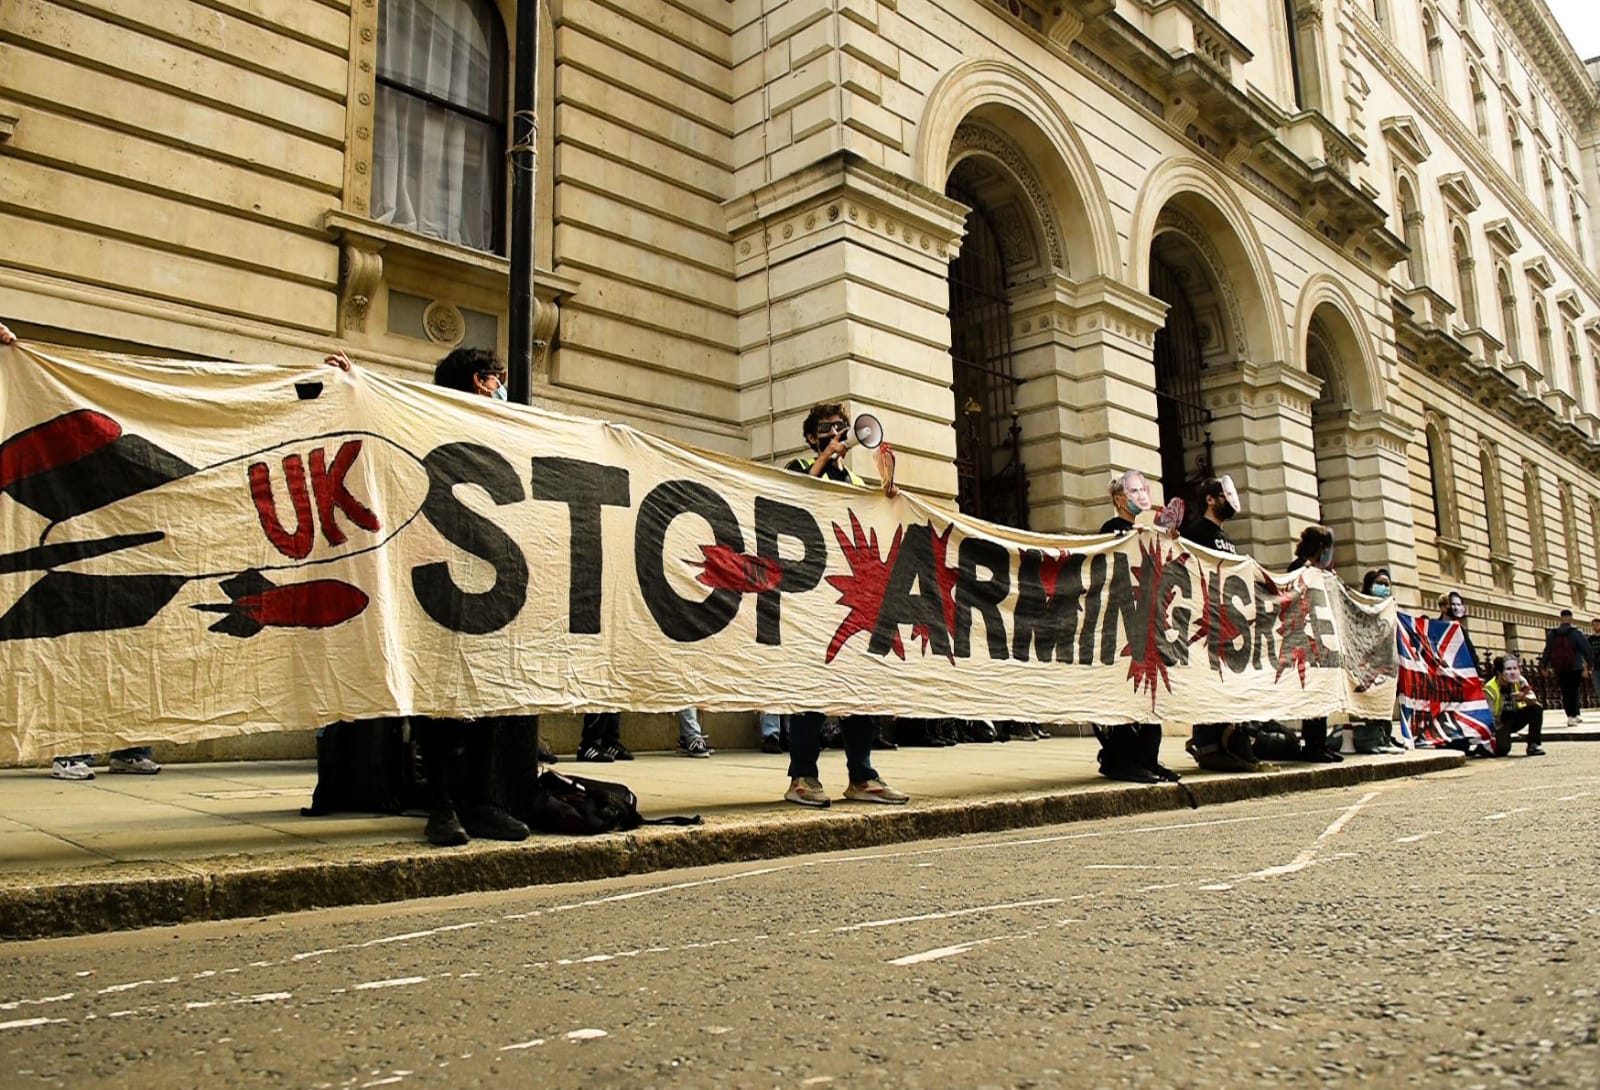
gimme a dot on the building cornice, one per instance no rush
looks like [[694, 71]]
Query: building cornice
[[1532, 24]]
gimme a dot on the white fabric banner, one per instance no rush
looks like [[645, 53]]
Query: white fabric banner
[[190, 550]]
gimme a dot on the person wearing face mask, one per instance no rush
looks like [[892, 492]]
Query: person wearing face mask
[[1218, 747], [1130, 751], [1372, 735], [1515, 707], [1220, 502], [1315, 550]]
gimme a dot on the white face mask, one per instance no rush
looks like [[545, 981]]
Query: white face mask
[[499, 393]]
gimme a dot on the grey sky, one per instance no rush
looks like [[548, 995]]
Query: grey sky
[[1581, 20]]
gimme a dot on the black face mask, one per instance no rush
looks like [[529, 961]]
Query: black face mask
[[1226, 510]]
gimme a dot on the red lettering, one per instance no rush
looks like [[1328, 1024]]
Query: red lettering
[[328, 485], [296, 546]]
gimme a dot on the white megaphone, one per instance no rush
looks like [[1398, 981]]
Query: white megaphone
[[868, 431]]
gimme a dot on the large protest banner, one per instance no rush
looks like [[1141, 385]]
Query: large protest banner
[[190, 550]]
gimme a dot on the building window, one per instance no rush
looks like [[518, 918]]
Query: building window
[[1480, 105], [1435, 44], [1577, 222], [1517, 167], [1493, 501], [1535, 500], [1508, 315], [1444, 510], [1574, 366], [1549, 190], [1569, 530], [1466, 292], [1541, 329], [439, 137], [1380, 13], [1411, 224]]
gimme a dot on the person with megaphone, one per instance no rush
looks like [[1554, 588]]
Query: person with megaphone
[[827, 431]]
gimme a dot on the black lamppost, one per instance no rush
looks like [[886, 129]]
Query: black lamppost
[[523, 155]]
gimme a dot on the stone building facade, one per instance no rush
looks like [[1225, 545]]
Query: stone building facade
[[1341, 249]]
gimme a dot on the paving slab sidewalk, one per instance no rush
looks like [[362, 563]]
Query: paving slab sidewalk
[[218, 841]]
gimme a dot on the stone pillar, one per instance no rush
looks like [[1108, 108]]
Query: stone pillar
[[1087, 402], [843, 294], [1261, 434], [1366, 485]]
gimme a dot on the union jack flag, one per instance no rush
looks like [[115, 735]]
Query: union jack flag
[[1441, 694]]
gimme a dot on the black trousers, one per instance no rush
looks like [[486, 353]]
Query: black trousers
[[601, 729], [1570, 681], [1515, 721], [456, 759]]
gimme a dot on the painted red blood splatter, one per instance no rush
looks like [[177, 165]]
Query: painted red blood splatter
[[1214, 613], [862, 590], [1147, 671], [940, 544], [725, 569], [1294, 616]]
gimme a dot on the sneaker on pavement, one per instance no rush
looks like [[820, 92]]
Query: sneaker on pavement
[[67, 769], [875, 791], [771, 744], [695, 748], [139, 766], [807, 792], [1535, 751], [1574, 721], [595, 755], [619, 752]]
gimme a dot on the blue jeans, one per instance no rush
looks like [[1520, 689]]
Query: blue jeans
[[771, 725], [805, 746], [689, 726]]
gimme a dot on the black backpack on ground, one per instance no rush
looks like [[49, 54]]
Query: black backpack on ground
[[579, 806]]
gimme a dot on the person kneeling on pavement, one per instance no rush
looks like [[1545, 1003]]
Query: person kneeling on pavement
[[1515, 707]]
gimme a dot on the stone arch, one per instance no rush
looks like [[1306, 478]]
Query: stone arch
[[1188, 187], [1003, 94], [983, 159], [1327, 299]]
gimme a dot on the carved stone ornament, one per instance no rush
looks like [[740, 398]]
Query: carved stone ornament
[[971, 136], [360, 271], [443, 324]]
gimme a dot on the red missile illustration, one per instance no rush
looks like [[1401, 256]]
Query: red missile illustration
[[255, 602], [724, 569]]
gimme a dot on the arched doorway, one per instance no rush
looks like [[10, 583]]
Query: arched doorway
[[1330, 414], [990, 479]]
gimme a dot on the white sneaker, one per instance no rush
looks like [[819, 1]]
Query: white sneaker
[[1574, 721], [71, 768], [807, 792], [139, 766]]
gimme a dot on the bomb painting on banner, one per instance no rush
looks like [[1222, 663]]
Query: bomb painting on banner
[[190, 550]]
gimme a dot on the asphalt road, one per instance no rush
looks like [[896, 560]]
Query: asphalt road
[[1432, 932]]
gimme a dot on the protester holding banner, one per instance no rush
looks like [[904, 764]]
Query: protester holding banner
[[1315, 550], [1373, 735], [457, 754], [1218, 747], [1130, 751], [825, 429], [1568, 652], [1515, 707]]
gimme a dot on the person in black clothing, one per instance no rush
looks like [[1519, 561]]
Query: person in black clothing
[[1221, 503], [1219, 747], [1315, 550], [1569, 653], [1130, 496], [1130, 751], [825, 430], [457, 754]]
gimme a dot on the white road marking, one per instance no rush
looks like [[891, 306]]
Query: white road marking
[[585, 1034], [15, 1003], [1308, 857], [940, 952], [24, 1023], [264, 997], [947, 915], [535, 1043], [395, 982]]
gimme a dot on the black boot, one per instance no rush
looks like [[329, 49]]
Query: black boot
[[444, 829], [488, 822]]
